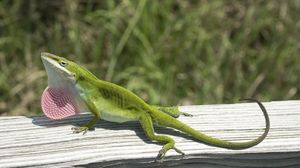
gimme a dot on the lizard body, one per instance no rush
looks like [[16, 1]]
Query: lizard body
[[114, 103]]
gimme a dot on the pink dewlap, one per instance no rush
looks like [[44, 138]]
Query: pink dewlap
[[57, 103]]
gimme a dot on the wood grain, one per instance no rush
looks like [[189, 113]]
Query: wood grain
[[37, 141]]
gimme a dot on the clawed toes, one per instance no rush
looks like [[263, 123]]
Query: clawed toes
[[161, 155], [186, 114], [77, 130], [159, 158], [179, 151]]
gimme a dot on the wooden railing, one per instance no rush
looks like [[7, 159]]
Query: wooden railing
[[37, 141]]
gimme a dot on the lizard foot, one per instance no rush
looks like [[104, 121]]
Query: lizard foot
[[77, 130], [162, 153], [186, 114]]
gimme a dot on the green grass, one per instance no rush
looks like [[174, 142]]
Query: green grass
[[168, 52]]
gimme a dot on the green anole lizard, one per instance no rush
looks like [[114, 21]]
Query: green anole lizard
[[114, 103]]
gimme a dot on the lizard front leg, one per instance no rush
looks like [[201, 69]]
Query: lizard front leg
[[90, 124]]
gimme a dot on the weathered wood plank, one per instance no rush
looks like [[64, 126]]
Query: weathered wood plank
[[36, 141]]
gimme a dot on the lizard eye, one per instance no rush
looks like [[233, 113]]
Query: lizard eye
[[63, 63]]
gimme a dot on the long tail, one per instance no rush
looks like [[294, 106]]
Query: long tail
[[222, 143]]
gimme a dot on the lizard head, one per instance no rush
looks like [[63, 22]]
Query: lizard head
[[59, 68], [60, 99]]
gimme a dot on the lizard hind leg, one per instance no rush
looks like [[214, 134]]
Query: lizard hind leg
[[169, 143]]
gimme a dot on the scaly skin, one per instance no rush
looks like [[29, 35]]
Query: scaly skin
[[114, 103]]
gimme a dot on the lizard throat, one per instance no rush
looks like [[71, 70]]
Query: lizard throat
[[57, 103]]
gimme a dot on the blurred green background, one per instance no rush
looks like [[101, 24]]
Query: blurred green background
[[167, 52]]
